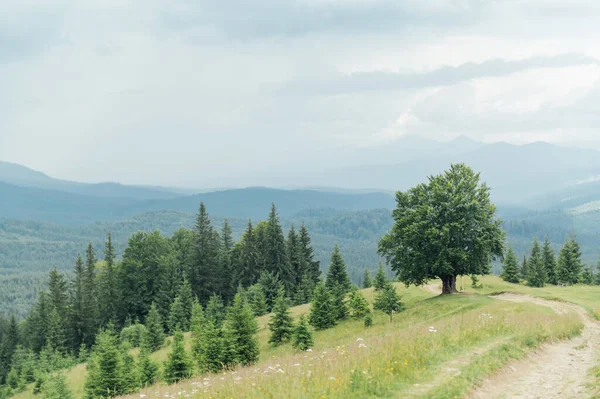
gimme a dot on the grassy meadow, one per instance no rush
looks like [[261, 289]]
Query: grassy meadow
[[436, 347]]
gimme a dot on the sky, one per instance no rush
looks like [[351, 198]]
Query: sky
[[185, 92]]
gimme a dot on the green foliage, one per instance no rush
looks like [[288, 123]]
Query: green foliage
[[208, 348], [270, 285], [215, 310], [322, 314], [549, 260], [302, 338], [387, 300], [134, 334], [239, 334], [366, 281], [55, 387], [537, 269], [281, 324], [257, 300], [381, 279], [147, 369], [569, 262], [443, 229], [357, 305], [155, 338], [106, 368], [337, 274], [524, 268], [368, 320], [587, 276], [338, 302], [178, 365], [177, 316], [510, 272]]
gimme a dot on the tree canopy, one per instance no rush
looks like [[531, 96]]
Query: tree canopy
[[444, 228]]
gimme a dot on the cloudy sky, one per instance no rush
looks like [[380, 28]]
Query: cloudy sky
[[171, 92]]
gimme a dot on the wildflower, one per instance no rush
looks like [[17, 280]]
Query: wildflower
[[359, 339]]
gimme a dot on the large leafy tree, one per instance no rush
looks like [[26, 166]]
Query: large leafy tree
[[444, 228]]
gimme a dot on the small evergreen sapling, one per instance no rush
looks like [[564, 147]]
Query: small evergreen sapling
[[303, 337], [156, 334], [367, 283], [178, 365], [357, 305], [321, 311], [380, 278], [55, 387], [510, 272], [388, 300], [281, 324]]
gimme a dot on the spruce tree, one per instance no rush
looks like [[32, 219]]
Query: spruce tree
[[215, 310], [587, 276], [387, 300], [76, 306], [178, 365], [196, 326], [524, 268], [208, 351], [270, 285], [147, 369], [257, 300], [55, 387], [321, 311], [203, 274], [108, 285], [536, 267], [510, 272], [276, 255], [381, 279], [239, 334], [106, 372], [569, 262], [337, 274], [302, 338], [131, 378], [156, 334], [90, 297], [227, 236], [281, 324], [357, 305], [338, 302], [367, 283], [549, 260], [313, 267], [177, 316], [295, 258]]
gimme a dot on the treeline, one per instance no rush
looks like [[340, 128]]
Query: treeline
[[159, 282], [543, 267]]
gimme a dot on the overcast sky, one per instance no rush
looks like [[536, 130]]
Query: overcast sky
[[173, 91]]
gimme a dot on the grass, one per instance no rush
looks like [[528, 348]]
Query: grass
[[473, 334], [586, 296]]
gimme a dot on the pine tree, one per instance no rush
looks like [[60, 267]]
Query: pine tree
[[246, 265], [524, 268], [313, 266], [587, 276], [105, 369], [55, 387], [90, 298], [338, 302], [57, 293], [295, 258], [321, 312], [537, 269], [357, 305], [239, 334], [108, 286], [130, 376], [270, 285], [381, 279], [147, 369], [302, 338], [227, 236], [276, 256], [510, 272], [171, 278], [204, 276], [215, 311], [569, 262], [156, 335], [257, 300], [281, 324], [177, 316], [196, 326], [55, 334], [178, 365], [209, 348], [367, 283], [76, 306], [549, 260], [337, 274], [387, 300]]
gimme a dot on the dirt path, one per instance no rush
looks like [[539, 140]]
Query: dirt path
[[558, 370]]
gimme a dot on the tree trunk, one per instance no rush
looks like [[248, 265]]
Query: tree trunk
[[449, 285]]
